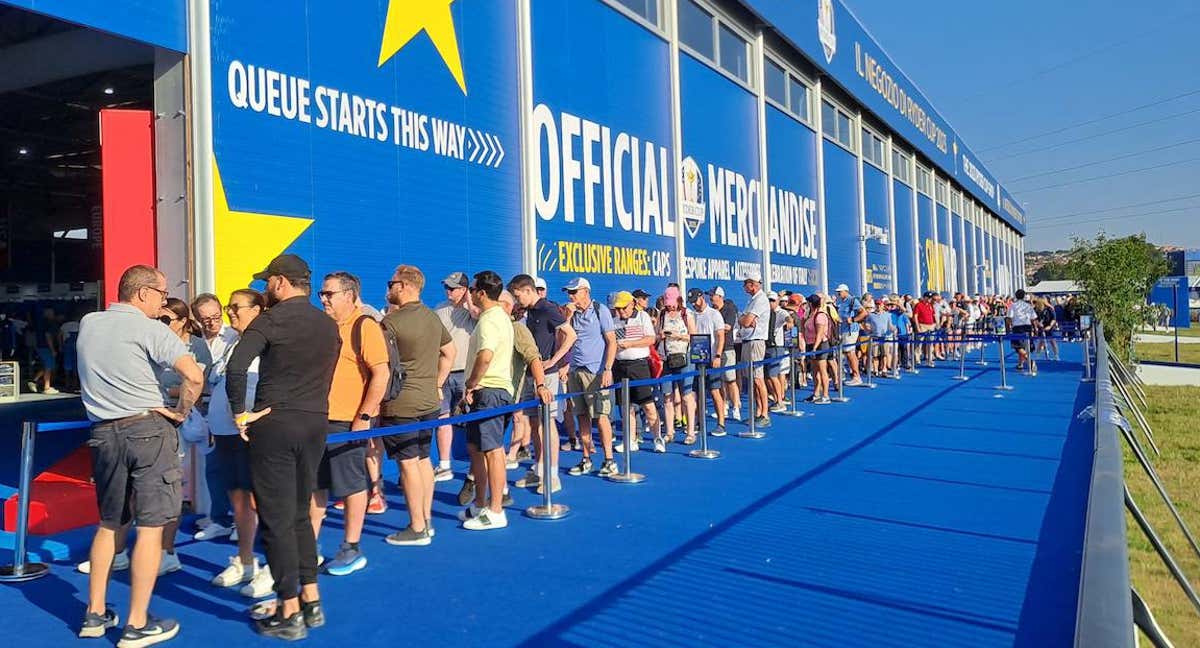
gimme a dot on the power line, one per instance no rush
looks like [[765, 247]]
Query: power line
[[1087, 212], [1108, 218], [1090, 121], [1108, 175], [1091, 137], [1111, 159]]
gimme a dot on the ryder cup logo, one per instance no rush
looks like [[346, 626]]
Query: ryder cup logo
[[691, 191], [825, 30]]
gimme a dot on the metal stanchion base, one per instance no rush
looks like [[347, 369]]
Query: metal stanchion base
[[868, 386], [839, 399], [30, 571], [1087, 380], [552, 512], [912, 371], [704, 454], [627, 478], [752, 435], [981, 363], [1004, 387], [960, 378], [796, 414]]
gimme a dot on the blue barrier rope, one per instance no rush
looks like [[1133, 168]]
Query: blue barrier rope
[[416, 426]]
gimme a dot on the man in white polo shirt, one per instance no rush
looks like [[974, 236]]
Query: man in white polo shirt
[[755, 322]]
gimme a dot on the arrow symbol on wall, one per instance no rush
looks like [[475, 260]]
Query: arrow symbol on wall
[[474, 144]]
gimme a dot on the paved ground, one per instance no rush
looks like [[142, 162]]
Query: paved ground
[[925, 512], [1148, 338]]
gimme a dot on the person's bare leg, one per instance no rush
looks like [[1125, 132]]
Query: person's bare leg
[[426, 477], [355, 513], [414, 492], [735, 395], [719, 405], [650, 410], [760, 397], [103, 552], [316, 510], [494, 476], [169, 531], [247, 524], [689, 409], [583, 424], [606, 436], [143, 572], [375, 467], [445, 441]]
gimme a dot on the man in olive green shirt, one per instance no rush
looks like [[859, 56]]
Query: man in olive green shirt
[[489, 385]]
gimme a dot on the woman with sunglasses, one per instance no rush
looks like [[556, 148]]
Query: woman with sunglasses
[[177, 316], [232, 453]]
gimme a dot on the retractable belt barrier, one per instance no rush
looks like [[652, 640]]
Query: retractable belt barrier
[[22, 570]]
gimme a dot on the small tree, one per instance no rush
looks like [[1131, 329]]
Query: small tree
[[1115, 276]]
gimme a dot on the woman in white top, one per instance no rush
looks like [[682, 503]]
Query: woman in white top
[[676, 327], [233, 454]]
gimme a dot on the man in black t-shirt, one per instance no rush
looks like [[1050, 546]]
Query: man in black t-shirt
[[729, 313], [554, 336]]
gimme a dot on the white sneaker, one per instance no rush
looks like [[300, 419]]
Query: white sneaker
[[120, 563], [557, 484], [203, 523], [236, 573], [511, 465], [212, 532], [261, 585], [169, 563], [469, 513], [486, 520], [50, 390], [659, 445], [779, 408], [737, 414]]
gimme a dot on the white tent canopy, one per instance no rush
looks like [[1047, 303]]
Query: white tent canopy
[[1054, 287]]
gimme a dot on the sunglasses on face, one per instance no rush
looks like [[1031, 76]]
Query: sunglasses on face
[[328, 294], [572, 292], [167, 319], [233, 309]]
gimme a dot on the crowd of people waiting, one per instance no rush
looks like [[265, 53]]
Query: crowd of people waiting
[[260, 396]]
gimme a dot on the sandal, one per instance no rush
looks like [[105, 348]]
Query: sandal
[[689, 440]]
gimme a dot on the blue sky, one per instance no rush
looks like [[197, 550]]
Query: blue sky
[[1006, 71]]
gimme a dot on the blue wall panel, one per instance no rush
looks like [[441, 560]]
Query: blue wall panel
[[721, 169], [972, 242], [878, 219], [943, 269], [397, 153], [926, 244], [960, 252], [157, 22], [792, 212], [841, 217], [906, 241], [604, 204]]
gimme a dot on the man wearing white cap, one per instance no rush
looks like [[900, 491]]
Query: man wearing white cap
[[851, 313], [729, 314], [755, 322], [539, 286], [591, 365]]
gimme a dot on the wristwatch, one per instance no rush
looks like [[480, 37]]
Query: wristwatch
[[364, 417]]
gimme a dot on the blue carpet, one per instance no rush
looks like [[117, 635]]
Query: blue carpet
[[927, 511]]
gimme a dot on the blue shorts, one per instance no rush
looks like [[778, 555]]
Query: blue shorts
[[452, 392], [488, 434], [685, 386], [774, 370], [47, 358]]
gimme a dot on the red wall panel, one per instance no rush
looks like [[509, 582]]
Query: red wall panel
[[127, 169]]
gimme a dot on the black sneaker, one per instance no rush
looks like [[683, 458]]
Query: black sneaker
[[609, 467], [718, 431], [523, 454], [582, 468], [467, 494], [289, 629], [314, 614], [94, 625], [155, 631]]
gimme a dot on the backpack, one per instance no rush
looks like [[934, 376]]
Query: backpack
[[396, 369]]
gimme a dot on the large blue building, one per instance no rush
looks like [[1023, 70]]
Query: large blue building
[[636, 142]]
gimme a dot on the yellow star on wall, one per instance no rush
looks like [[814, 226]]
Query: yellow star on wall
[[245, 242], [407, 18]]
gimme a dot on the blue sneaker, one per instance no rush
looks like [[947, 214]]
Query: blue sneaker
[[347, 561], [155, 631]]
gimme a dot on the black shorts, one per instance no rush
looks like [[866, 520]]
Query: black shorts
[[408, 445], [488, 434], [638, 369], [135, 465], [231, 457], [343, 469], [1022, 343]]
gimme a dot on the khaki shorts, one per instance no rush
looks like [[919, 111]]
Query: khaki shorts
[[595, 403], [754, 351]]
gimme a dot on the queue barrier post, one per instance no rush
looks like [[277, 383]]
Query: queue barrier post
[[840, 375], [870, 384], [1087, 361], [703, 452], [1032, 368], [751, 432], [895, 371], [962, 366], [1003, 386], [21, 570], [912, 356], [627, 416], [793, 378], [547, 510], [982, 361]]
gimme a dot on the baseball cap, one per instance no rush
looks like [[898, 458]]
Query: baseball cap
[[795, 300], [285, 265], [752, 275], [456, 280], [694, 294], [641, 294], [539, 283], [671, 296], [716, 290], [842, 288], [577, 283], [772, 296], [621, 299]]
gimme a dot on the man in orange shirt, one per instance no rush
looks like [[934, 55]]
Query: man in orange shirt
[[360, 380]]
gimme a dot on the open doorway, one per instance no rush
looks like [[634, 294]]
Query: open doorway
[[55, 78]]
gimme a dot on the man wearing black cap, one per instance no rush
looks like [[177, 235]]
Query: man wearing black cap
[[641, 299], [297, 346]]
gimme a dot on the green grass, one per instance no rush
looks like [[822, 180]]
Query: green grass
[[1171, 414], [1165, 352]]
